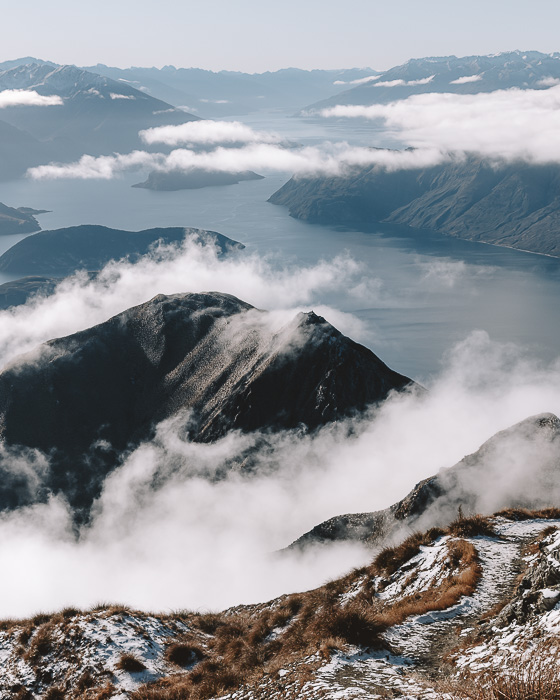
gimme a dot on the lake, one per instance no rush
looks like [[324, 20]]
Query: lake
[[431, 290]]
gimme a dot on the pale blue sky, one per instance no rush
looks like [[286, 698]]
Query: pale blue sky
[[257, 35]]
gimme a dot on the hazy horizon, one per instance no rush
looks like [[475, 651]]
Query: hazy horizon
[[248, 37]]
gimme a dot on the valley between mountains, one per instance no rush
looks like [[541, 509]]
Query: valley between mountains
[[317, 457]]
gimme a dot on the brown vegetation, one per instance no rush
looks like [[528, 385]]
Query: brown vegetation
[[526, 514], [472, 526], [130, 664], [391, 559], [183, 653], [245, 646]]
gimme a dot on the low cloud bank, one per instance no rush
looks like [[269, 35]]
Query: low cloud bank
[[27, 98], [166, 534], [466, 79], [400, 82], [358, 81], [327, 159], [206, 132], [505, 124], [262, 281]]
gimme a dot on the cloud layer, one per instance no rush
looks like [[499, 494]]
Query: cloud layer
[[197, 542], [358, 81], [400, 82], [206, 132], [27, 98], [505, 124], [328, 159]]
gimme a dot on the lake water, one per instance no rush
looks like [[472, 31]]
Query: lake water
[[433, 290]]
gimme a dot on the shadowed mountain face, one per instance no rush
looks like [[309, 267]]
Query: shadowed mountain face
[[211, 358], [64, 251], [517, 468], [515, 205]]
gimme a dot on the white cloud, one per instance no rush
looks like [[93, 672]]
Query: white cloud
[[466, 79], [80, 303], [358, 81], [215, 102], [329, 158], [549, 81], [198, 542], [505, 124], [100, 168], [400, 82], [118, 96], [27, 98], [208, 132]]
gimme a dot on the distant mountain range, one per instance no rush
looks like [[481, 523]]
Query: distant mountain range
[[85, 398], [515, 205], [223, 93], [466, 75], [216, 94]]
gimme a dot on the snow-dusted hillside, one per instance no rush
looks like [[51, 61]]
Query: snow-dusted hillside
[[426, 619]]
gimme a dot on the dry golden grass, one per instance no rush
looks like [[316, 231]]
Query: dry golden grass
[[55, 693], [242, 648], [183, 653], [472, 526], [526, 514], [391, 559]]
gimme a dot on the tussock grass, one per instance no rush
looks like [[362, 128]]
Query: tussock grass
[[243, 647], [55, 693], [183, 653], [526, 514], [390, 559], [472, 526], [130, 664]]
